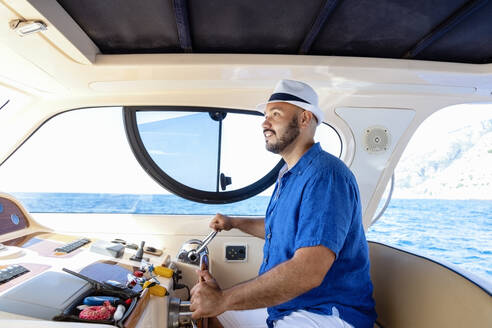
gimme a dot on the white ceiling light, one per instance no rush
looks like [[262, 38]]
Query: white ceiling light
[[27, 27]]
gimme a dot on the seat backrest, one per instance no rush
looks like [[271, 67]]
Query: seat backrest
[[413, 291]]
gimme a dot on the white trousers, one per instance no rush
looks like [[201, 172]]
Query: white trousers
[[257, 319]]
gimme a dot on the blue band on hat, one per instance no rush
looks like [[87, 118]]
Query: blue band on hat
[[286, 97]]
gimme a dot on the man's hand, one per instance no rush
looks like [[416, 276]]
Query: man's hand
[[221, 222], [206, 297], [254, 227]]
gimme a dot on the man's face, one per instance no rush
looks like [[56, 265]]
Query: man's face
[[281, 126]]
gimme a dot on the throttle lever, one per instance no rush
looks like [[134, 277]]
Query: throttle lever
[[193, 254]]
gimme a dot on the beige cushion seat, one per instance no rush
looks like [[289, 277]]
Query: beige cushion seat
[[413, 291]]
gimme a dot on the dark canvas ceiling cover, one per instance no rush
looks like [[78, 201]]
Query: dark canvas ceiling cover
[[438, 30]]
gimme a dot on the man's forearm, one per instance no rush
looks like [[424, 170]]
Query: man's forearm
[[255, 227], [279, 285], [303, 272]]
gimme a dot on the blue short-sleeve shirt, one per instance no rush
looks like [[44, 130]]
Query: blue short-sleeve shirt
[[315, 203]]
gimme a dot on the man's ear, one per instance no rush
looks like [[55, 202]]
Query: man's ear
[[306, 118]]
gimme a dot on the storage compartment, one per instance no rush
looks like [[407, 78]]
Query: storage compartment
[[56, 296], [73, 313], [100, 292]]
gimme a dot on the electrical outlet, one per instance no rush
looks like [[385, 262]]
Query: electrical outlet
[[236, 253]]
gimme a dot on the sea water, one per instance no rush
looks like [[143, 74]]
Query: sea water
[[454, 231], [458, 232]]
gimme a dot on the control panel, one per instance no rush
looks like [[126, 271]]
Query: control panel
[[236, 253], [70, 247], [12, 271]]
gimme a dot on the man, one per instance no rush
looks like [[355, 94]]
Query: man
[[315, 270]]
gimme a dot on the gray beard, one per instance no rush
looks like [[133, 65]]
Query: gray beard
[[286, 139]]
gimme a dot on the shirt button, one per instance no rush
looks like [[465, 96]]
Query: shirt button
[[269, 236]]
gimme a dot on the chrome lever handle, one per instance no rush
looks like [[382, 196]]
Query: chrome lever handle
[[192, 255], [206, 241]]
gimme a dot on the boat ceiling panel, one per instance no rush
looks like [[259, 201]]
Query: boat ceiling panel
[[386, 29], [266, 27], [450, 31], [470, 41], [126, 27]]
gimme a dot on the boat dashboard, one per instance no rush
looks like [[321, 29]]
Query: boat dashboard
[[52, 279]]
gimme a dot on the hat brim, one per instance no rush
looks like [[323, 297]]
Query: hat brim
[[313, 109]]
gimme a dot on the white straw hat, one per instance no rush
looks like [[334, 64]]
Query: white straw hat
[[295, 93]]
